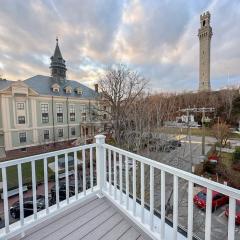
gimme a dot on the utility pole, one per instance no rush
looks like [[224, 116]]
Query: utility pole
[[189, 139], [203, 132], [202, 110]]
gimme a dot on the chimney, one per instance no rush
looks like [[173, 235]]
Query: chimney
[[96, 87]]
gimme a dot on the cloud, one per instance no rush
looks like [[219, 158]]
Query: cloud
[[158, 38]]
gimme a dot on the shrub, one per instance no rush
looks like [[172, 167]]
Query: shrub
[[209, 167], [236, 155]]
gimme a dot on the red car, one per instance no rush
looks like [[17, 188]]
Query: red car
[[237, 217], [218, 199]]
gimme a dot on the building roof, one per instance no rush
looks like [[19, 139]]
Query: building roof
[[43, 85], [4, 83]]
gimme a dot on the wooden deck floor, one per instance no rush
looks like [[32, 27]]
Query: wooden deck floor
[[91, 220]]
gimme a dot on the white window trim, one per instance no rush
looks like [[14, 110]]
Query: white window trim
[[19, 137], [45, 103], [62, 132], [48, 134], [20, 102]]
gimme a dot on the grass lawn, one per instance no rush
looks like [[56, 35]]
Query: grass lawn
[[194, 131], [12, 175]]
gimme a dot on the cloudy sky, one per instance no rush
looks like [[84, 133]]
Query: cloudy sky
[[158, 38]]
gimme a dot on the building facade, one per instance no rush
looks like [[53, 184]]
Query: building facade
[[47, 109], [205, 35]]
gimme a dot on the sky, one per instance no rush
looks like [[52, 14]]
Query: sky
[[156, 38]]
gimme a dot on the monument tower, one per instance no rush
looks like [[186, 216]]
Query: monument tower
[[205, 35]]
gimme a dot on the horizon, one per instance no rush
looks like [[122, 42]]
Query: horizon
[[94, 35]]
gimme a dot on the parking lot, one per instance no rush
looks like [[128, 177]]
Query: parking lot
[[180, 158]]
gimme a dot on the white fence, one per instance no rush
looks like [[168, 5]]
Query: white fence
[[114, 168]]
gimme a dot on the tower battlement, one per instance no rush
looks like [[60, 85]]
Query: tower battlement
[[205, 15]]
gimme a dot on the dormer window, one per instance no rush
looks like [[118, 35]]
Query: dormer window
[[55, 87], [68, 89], [78, 90]]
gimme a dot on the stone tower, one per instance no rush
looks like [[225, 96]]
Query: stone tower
[[58, 66], [205, 35]]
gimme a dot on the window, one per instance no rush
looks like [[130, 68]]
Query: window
[[82, 108], [59, 112], [60, 132], [44, 110], [68, 89], [46, 134], [78, 90], [84, 117], [73, 131], [55, 87], [21, 119], [20, 106], [22, 137], [104, 116], [72, 112]]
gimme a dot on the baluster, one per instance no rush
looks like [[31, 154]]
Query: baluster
[[115, 174], [231, 218], [162, 205], [105, 168], [127, 182], [91, 169], [142, 191], [20, 187], [76, 174], [134, 187], [45, 169], [175, 206], [110, 171], [66, 177], [34, 189], [190, 210], [151, 196], [56, 181], [120, 170], [84, 171], [208, 215], [5, 199]]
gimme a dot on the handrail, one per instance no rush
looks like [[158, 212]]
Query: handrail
[[226, 190], [44, 155], [79, 195]]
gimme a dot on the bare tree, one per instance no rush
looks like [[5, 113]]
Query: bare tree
[[221, 132], [120, 86]]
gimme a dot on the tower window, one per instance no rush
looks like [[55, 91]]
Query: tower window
[[204, 22]]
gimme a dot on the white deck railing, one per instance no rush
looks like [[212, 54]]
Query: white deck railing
[[113, 183]]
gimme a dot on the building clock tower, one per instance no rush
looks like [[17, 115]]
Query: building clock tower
[[205, 35]]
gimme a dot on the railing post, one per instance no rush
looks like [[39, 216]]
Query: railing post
[[100, 139]]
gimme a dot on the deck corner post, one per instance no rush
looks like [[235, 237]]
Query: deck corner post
[[100, 140]]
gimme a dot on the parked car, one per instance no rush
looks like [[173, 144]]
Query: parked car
[[175, 143], [237, 217], [27, 206], [213, 158], [218, 199], [62, 188]]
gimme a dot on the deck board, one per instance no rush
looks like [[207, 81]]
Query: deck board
[[94, 219], [131, 233]]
